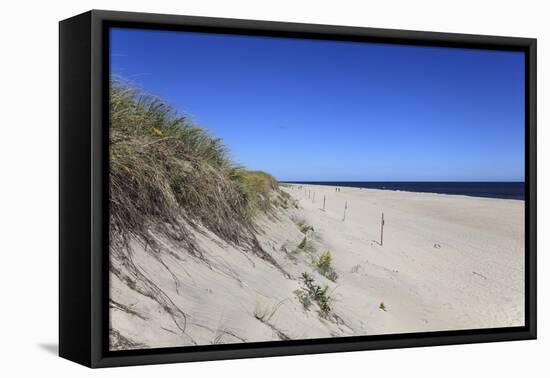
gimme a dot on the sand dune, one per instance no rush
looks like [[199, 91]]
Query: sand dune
[[446, 263]]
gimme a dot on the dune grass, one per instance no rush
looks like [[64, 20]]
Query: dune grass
[[257, 188], [166, 172], [303, 225], [305, 246], [264, 312], [324, 266]]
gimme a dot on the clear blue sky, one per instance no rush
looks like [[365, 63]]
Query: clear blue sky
[[308, 110]]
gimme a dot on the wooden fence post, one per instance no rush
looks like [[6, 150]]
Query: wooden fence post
[[345, 208], [382, 230]]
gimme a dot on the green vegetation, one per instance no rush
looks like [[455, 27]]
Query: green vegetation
[[305, 246], [382, 306], [316, 294], [324, 266], [303, 226], [169, 174], [284, 200], [256, 187], [323, 263]]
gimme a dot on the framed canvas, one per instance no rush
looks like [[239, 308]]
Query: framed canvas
[[235, 188]]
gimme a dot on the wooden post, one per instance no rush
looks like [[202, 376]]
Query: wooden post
[[345, 208], [324, 201], [382, 230]]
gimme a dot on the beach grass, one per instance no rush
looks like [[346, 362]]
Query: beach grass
[[303, 225], [168, 172], [324, 266]]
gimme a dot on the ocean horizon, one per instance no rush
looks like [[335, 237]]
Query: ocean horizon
[[488, 189]]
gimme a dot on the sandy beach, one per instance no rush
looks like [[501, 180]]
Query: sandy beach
[[447, 263]]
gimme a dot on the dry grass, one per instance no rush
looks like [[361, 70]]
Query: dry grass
[[303, 225], [168, 174], [264, 312]]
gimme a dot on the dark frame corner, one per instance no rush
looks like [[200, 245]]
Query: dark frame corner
[[83, 232]]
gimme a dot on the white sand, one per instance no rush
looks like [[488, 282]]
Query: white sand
[[447, 263]]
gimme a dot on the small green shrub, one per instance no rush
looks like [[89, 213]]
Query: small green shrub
[[317, 293], [325, 268]]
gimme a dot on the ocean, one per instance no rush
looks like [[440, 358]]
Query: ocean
[[505, 190]]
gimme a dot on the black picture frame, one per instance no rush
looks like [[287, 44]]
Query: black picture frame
[[83, 201]]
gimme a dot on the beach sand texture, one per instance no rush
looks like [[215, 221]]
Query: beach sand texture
[[447, 263]]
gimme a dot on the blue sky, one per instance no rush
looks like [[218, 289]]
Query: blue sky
[[306, 110]]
